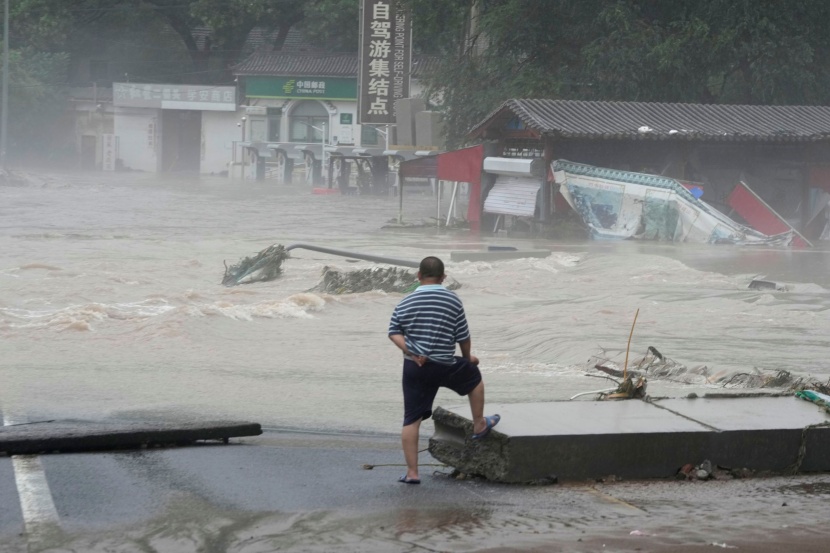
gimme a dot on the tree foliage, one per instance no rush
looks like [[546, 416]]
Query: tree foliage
[[727, 51], [724, 51], [36, 90], [333, 24]]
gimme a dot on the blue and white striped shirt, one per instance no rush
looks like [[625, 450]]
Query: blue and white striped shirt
[[432, 321]]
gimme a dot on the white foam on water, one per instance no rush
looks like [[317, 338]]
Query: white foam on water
[[82, 317], [299, 306]]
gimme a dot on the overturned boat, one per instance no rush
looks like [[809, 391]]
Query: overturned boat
[[618, 204]]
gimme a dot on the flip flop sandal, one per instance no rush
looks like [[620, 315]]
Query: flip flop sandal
[[404, 480], [491, 422]]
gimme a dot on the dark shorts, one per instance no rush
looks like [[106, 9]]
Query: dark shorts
[[420, 384]]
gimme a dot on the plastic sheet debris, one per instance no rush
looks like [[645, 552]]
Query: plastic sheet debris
[[819, 398]]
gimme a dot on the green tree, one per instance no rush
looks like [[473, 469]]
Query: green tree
[[230, 23], [509, 48], [727, 51], [36, 96], [47, 25], [333, 24]]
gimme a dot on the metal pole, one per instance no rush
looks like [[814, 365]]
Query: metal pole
[[451, 210], [5, 101], [438, 187], [400, 195], [356, 255]]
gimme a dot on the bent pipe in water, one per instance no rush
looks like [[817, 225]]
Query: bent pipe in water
[[363, 256]]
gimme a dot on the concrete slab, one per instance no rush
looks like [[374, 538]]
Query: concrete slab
[[574, 440], [61, 436], [764, 433], [747, 413], [495, 255]]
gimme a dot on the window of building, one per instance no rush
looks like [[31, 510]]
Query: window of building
[[274, 122], [369, 136], [258, 130], [303, 120]]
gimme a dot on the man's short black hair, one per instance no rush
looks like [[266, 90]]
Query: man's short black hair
[[431, 267]]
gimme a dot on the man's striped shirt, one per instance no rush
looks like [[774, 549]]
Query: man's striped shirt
[[432, 321]]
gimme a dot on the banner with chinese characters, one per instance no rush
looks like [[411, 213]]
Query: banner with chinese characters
[[174, 96], [385, 60]]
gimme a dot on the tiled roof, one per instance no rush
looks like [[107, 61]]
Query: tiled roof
[[657, 121], [290, 64], [88, 93], [423, 66], [295, 65]]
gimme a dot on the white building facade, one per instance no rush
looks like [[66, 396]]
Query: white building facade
[[174, 128]]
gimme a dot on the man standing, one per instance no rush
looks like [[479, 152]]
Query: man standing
[[426, 325]]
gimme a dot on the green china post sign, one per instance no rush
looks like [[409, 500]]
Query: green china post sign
[[311, 88]]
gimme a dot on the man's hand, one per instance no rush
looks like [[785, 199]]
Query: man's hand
[[419, 359], [473, 359]]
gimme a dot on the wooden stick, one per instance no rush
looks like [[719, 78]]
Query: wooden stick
[[625, 368]]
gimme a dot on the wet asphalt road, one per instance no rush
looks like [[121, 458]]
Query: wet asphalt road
[[305, 492]]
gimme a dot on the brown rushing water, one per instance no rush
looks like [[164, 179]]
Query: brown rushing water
[[111, 305]]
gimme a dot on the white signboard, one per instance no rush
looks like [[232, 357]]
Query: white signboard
[[346, 135], [174, 96]]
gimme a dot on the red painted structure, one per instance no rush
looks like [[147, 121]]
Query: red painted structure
[[464, 165], [760, 215]]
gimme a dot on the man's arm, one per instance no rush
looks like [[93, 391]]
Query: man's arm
[[400, 341], [465, 346]]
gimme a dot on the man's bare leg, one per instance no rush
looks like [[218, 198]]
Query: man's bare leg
[[476, 398], [409, 442]]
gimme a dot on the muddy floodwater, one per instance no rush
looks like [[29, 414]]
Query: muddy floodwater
[[111, 305]]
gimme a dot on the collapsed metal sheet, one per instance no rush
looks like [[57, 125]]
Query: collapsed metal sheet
[[626, 205]]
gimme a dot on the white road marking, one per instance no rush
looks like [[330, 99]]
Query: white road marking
[[39, 512]]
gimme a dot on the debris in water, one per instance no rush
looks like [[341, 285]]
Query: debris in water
[[266, 265], [616, 204], [628, 389], [656, 366], [758, 284], [386, 279]]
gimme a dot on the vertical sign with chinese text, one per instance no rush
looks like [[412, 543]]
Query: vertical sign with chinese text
[[385, 60], [108, 152]]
